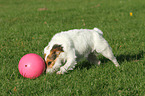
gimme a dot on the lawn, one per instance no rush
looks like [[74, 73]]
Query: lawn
[[26, 26]]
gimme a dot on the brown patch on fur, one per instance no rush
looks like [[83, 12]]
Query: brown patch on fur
[[44, 56], [54, 53]]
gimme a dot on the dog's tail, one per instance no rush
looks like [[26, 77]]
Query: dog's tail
[[98, 30]]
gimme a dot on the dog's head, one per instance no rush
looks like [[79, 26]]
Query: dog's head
[[52, 54]]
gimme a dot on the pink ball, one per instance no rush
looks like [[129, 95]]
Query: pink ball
[[31, 66]]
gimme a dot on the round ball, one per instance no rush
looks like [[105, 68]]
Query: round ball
[[31, 66]]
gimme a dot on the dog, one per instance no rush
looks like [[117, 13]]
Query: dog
[[68, 47]]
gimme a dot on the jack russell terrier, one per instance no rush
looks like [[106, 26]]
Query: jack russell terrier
[[70, 46]]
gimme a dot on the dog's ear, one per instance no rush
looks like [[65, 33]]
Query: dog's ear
[[57, 48]]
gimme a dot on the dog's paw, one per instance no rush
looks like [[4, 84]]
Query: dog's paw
[[98, 63], [62, 71], [117, 65], [59, 72]]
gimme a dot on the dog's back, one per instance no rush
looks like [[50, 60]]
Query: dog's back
[[81, 40]]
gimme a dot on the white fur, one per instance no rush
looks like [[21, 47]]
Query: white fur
[[77, 44]]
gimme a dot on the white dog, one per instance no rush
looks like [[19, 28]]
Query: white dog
[[70, 46]]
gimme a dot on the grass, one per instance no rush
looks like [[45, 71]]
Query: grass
[[26, 26]]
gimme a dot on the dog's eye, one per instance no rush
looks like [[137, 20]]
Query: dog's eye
[[49, 63]]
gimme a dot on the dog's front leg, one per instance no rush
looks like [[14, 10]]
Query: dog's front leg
[[70, 64], [57, 64]]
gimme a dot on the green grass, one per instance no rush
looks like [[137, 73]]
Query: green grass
[[24, 28]]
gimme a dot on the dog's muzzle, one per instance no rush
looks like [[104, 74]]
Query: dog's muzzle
[[50, 70]]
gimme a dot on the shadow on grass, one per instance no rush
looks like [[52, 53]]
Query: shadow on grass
[[120, 59], [130, 57]]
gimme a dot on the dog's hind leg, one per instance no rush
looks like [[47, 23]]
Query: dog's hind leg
[[107, 52], [92, 58]]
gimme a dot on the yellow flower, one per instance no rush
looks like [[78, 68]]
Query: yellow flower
[[131, 14]]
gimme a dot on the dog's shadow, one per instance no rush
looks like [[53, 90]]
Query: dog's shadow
[[120, 59]]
